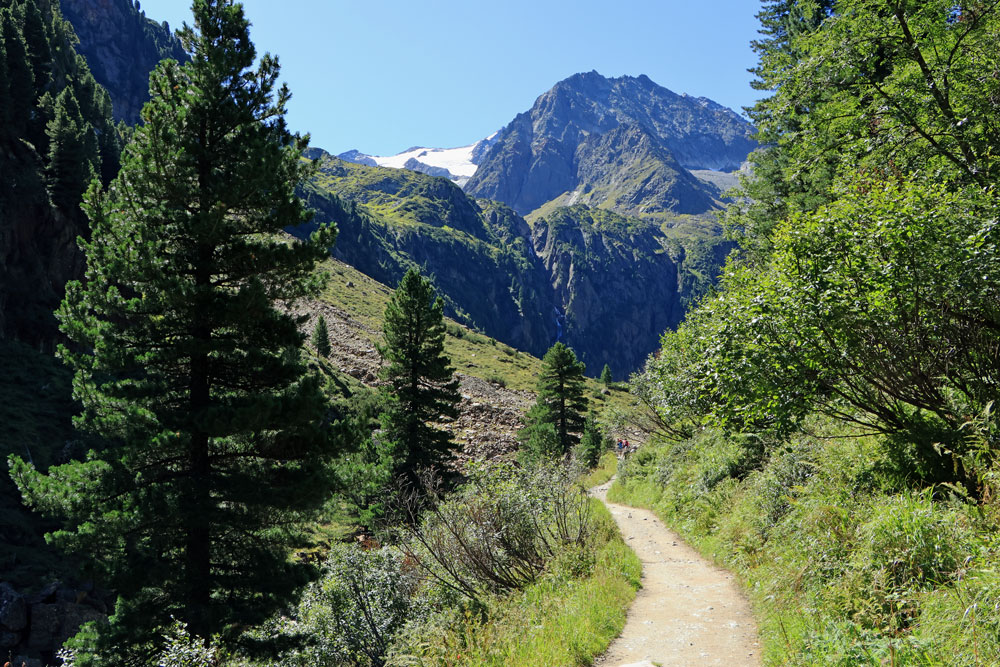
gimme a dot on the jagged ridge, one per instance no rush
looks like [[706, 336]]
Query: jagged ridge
[[588, 128]]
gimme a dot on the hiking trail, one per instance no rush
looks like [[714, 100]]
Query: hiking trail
[[688, 611]]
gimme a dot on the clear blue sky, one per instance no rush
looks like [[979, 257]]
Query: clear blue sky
[[384, 75]]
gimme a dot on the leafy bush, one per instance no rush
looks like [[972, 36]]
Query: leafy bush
[[499, 531], [352, 613], [566, 617]]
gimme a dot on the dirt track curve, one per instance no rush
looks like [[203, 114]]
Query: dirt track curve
[[688, 612]]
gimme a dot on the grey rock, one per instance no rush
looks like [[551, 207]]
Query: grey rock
[[567, 142], [13, 610]]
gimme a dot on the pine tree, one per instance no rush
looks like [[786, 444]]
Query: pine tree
[[422, 384], [215, 447], [72, 147], [593, 443], [606, 376], [21, 80], [561, 401], [539, 440], [321, 338]]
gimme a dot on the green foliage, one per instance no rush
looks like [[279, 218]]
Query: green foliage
[[606, 468], [321, 337], [212, 446], [353, 613], [499, 531], [365, 473], [57, 133], [539, 439], [561, 619], [561, 404], [35, 408], [593, 443], [888, 87], [422, 384], [878, 309], [180, 649], [606, 376]]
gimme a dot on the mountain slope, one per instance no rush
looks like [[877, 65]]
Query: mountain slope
[[456, 164], [580, 275], [122, 47], [479, 254], [586, 129], [620, 280]]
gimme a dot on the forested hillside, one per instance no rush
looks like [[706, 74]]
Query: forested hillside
[[122, 46], [828, 422], [56, 133]]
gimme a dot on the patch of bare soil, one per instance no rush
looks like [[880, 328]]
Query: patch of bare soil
[[688, 612]]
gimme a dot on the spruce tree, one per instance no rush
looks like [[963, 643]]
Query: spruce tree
[[321, 338], [422, 386], [561, 401], [606, 376], [214, 448]]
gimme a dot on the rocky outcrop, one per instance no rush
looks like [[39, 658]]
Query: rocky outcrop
[[616, 283], [568, 142], [122, 47], [34, 626], [479, 254]]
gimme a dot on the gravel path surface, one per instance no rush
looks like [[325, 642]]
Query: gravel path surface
[[688, 612]]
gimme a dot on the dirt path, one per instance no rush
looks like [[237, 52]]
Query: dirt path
[[688, 612]]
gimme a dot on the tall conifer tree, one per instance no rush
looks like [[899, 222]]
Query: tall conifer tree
[[561, 403], [185, 366], [422, 384], [321, 337]]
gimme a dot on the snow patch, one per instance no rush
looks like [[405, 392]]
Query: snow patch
[[454, 163]]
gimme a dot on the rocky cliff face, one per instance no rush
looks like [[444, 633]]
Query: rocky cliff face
[[122, 47], [626, 142], [619, 284]]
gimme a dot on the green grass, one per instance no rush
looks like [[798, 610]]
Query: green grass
[[844, 562], [605, 470], [561, 621]]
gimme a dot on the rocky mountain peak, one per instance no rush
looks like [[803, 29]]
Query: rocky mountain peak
[[547, 152]]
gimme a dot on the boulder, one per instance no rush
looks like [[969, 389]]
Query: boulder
[[13, 610], [53, 623]]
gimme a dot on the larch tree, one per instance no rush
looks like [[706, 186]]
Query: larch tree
[[187, 360], [419, 378]]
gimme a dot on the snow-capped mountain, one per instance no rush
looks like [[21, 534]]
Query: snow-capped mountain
[[458, 164]]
